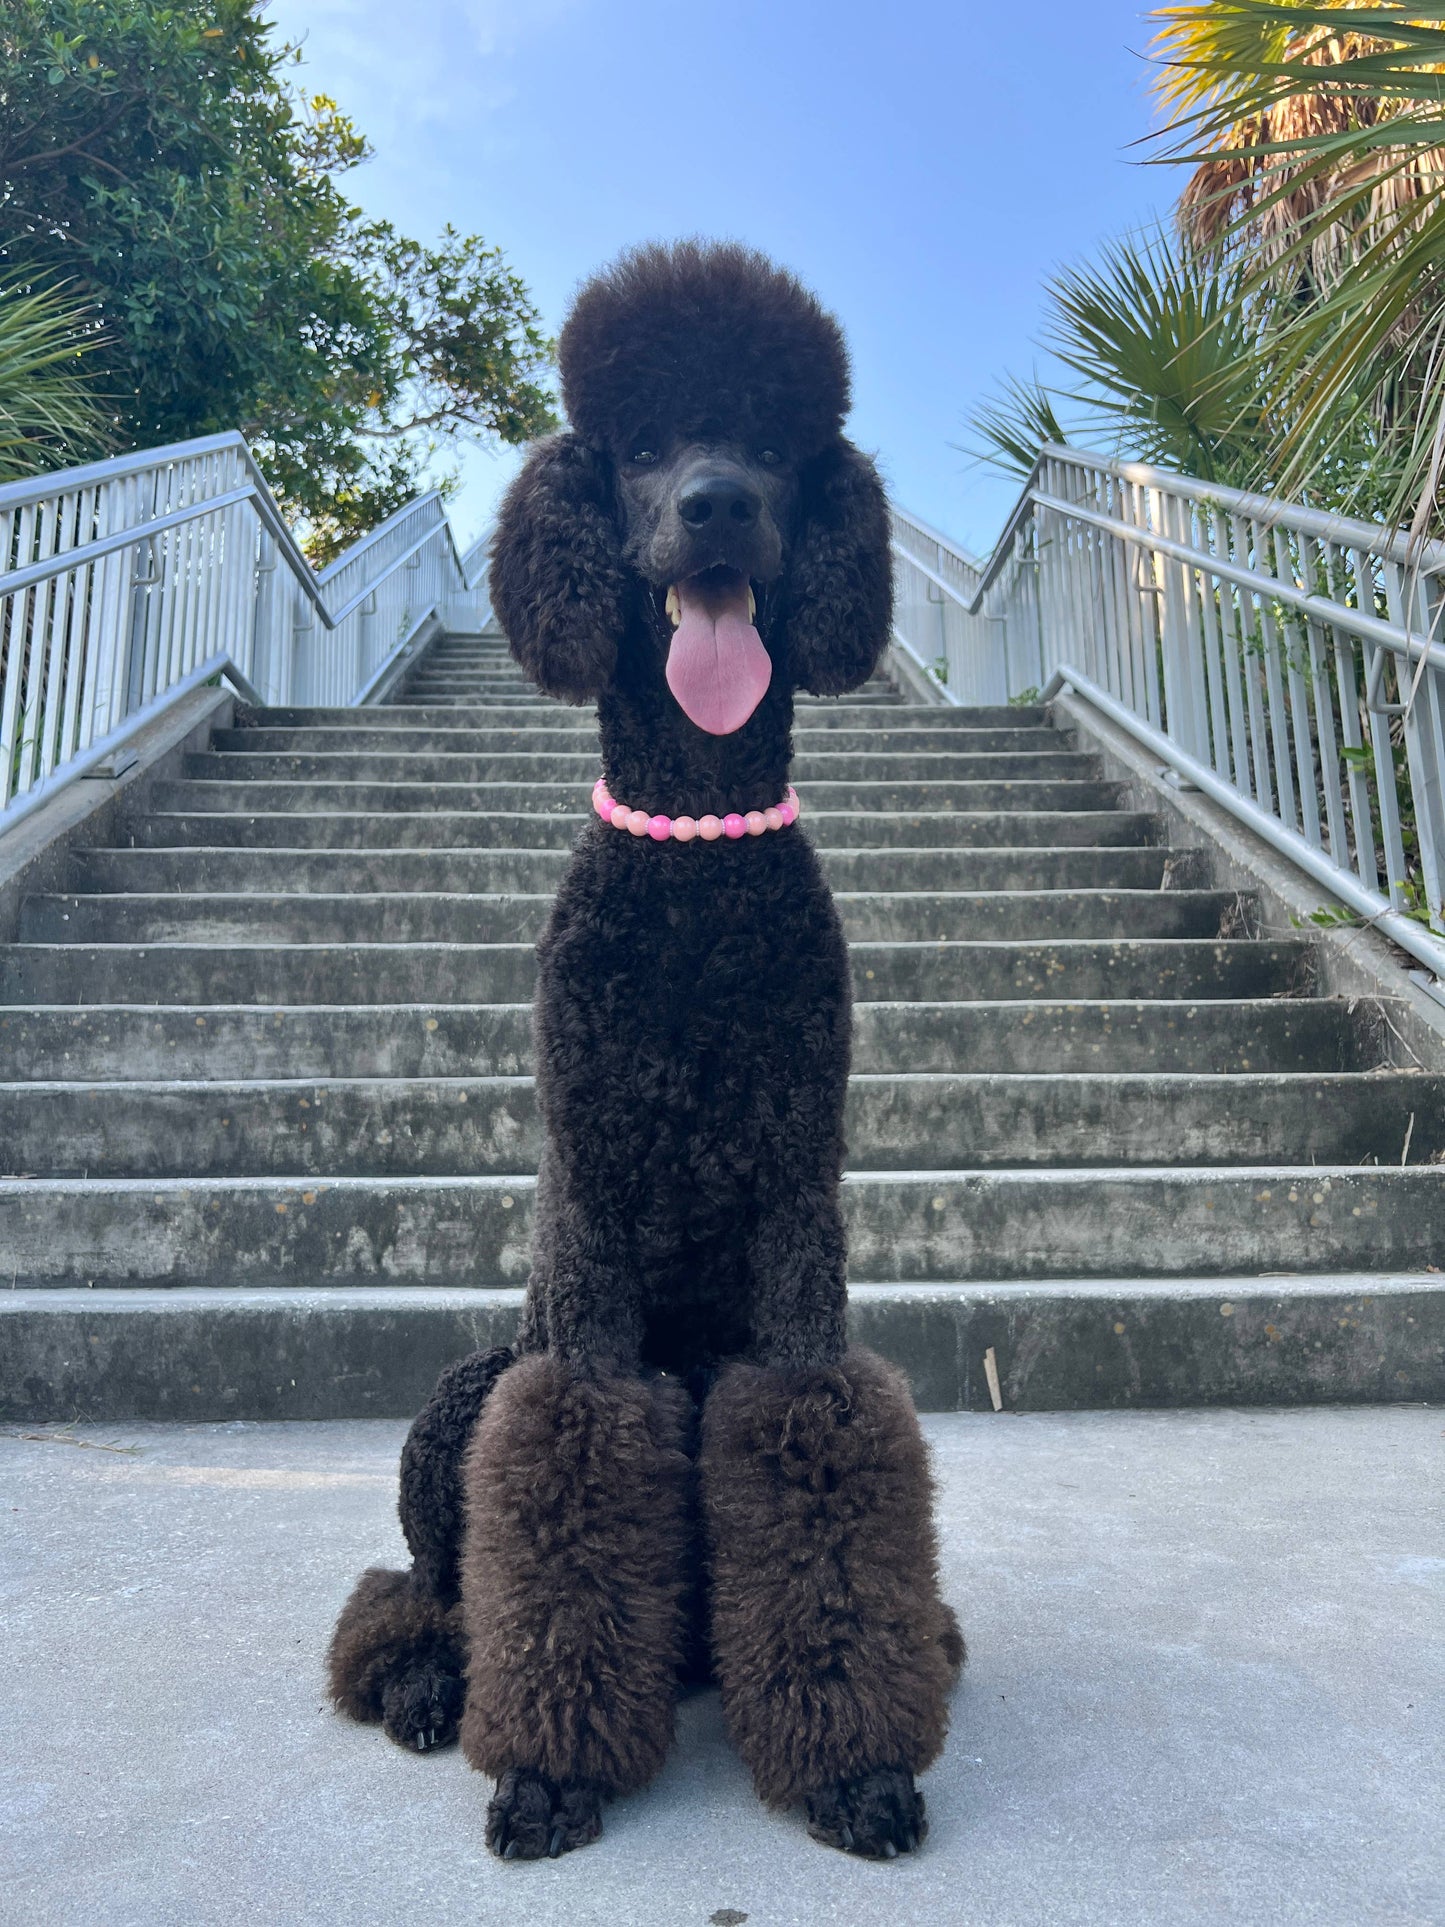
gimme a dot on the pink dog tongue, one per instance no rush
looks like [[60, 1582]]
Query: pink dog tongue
[[717, 666]]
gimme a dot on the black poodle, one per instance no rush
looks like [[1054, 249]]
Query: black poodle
[[681, 1466]]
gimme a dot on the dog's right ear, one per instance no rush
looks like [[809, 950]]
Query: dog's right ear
[[557, 576]]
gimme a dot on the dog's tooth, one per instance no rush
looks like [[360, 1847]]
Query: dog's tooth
[[673, 605], [752, 604]]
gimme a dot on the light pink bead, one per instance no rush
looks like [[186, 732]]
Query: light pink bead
[[619, 816], [604, 806], [734, 826], [709, 829], [787, 812], [684, 829], [773, 818], [637, 822], [659, 828], [756, 822]]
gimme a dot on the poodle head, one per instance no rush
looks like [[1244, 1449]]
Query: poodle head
[[705, 503]]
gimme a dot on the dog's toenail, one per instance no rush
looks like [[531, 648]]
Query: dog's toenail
[[512, 1850], [555, 1847], [890, 1852], [847, 1838]]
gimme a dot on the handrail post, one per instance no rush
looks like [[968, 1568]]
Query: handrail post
[[266, 619], [302, 665]]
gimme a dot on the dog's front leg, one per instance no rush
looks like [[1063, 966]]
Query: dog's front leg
[[832, 1646], [574, 1569]]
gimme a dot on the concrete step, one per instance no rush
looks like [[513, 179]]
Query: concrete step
[[398, 1127], [538, 736], [300, 872], [302, 798], [511, 829], [1042, 764], [466, 694], [829, 714], [423, 917], [294, 1351], [275, 975], [218, 1041], [903, 1227]]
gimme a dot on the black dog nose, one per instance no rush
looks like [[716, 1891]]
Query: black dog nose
[[722, 498]]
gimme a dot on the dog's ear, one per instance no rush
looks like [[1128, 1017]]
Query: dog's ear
[[557, 577], [840, 577]]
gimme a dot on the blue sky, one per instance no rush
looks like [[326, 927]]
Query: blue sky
[[922, 166]]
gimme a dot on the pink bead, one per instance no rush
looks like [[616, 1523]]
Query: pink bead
[[787, 813], [709, 829], [773, 818], [756, 822], [734, 826], [684, 829], [659, 828], [637, 822], [619, 816], [604, 805]]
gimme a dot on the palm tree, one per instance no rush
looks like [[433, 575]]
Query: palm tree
[[49, 411], [1168, 365], [1320, 172]]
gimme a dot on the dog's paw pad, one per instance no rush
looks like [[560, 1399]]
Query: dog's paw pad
[[879, 1814], [531, 1816]]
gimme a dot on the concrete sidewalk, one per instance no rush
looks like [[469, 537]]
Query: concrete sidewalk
[[1207, 1685]]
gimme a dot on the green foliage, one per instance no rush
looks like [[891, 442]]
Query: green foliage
[[1011, 426], [160, 158], [1168, 366], [49, 413], [1317, 133]]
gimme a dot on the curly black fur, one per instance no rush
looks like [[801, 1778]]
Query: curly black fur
[[573, 1577], [834, 1652], [692, 1017]]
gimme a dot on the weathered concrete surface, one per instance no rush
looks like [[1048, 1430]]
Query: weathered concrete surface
[[274, 974], [1207, 1685], [434, 1127], [214, 1352], [118, 1042], [904, 1227]]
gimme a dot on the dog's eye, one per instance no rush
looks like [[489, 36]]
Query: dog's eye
[[770, 457], [642, 456]]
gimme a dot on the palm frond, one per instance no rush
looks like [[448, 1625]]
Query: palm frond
[[1011, 426], [49, 411], [1318, 137]]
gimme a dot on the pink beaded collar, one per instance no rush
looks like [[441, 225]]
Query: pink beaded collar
[[682, 829]]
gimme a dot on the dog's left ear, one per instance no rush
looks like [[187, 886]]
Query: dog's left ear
[[557, 578], [840, 577]]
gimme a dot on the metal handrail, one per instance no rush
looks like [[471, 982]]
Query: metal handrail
[[121, 580], [1238, 634]]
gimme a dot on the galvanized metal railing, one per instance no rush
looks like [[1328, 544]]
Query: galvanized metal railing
[[1284, 661], [124, 583]]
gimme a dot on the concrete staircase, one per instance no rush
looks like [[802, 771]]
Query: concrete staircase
[[268, 1140]]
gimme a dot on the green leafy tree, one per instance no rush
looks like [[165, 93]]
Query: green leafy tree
[[161, 160]]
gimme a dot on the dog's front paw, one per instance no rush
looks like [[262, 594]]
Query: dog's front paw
[[531, 1815], [880, 1814], [421, 1704]]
